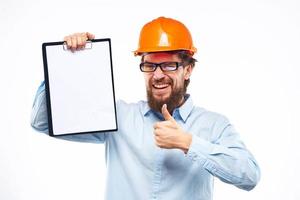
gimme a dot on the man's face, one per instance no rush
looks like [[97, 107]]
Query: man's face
[[165, 87]]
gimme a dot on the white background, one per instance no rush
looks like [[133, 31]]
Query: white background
[[248, 69]]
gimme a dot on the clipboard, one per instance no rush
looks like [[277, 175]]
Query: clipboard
[[79, 88]]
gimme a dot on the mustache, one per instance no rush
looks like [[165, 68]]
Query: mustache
[[162, 81]]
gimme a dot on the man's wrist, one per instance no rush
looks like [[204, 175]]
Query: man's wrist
[[186, 141]]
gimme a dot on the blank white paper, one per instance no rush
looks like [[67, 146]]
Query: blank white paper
[[81, 89]]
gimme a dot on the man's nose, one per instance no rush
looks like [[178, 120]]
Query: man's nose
[[158, 74]]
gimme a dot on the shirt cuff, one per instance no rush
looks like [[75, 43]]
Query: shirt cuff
[[199, 150]]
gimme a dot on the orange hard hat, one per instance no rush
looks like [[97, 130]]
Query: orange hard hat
[[164, 34]]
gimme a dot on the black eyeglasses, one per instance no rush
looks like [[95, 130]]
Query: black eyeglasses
[[164, 66]]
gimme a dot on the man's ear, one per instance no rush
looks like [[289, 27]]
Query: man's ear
[[188, 72]]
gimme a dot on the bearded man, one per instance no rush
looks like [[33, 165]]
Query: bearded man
[[166, 147]]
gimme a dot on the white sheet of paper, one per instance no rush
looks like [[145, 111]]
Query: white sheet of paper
[[81, 89]]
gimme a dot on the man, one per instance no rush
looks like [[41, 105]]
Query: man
[[165, 148]]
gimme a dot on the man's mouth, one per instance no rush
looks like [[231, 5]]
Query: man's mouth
[[160, 85], [161, 89]]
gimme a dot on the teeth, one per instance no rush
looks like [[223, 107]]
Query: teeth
[[161, 85]]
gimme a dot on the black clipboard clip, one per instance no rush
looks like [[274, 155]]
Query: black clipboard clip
[[88, 45]]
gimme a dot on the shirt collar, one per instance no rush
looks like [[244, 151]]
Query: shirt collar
[[183, 111], [186, 108]]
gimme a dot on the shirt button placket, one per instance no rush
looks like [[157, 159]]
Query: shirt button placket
[[157, 175]]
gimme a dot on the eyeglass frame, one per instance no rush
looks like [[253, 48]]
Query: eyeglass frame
[[178, 64]]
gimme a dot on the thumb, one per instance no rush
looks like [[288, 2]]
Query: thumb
[[166, 113]]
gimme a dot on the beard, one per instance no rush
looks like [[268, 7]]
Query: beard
[[173, 101]]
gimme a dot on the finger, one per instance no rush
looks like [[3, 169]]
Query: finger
[[162, 133], [158, 132], [74, 43], [156, 126], [157, 139], [90, 36], [83, 39], [79, 43], [166, 113], [67, 39], [165, 124], [158, 142]]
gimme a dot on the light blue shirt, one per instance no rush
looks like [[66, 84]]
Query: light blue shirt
[[139, 170]]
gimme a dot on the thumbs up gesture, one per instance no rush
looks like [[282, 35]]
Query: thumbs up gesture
[[168, 134]]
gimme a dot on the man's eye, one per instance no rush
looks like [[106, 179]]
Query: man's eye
[[169, 66], [148, 67]]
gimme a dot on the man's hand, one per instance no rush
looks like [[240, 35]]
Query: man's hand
[[168, 134], [77, 41]]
